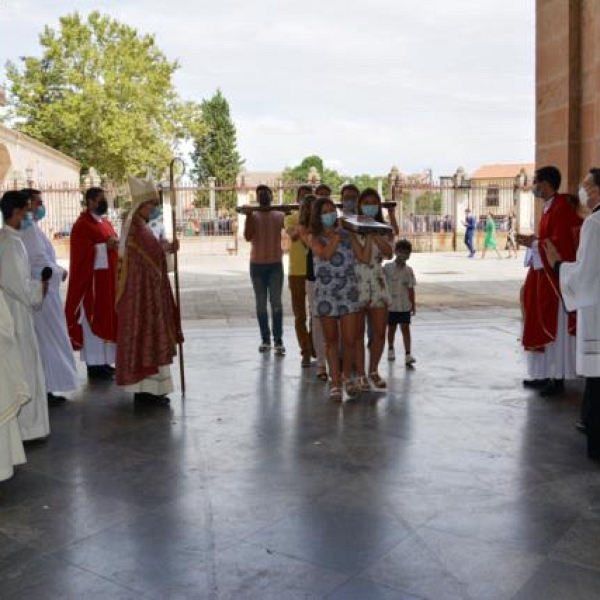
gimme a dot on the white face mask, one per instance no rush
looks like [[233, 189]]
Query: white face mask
[[583, 195]]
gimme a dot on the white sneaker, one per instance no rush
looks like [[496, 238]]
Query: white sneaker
[[410, 360], [279, 348], [391, 354]]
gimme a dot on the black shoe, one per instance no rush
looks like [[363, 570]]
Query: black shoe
[[98, 372], [580, 426], [535, 384], [55, 400], [109, 368], [279, 348], [145, 398], [552, 388]]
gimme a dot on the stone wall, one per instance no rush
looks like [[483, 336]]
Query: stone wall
[[568, 87]]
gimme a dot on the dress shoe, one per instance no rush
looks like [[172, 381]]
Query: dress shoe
[[98, 372], [535, 383], [552, 388], [55, 400], [109, 368], [146, 398]]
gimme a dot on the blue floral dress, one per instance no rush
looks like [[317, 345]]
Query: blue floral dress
[[336, 286]]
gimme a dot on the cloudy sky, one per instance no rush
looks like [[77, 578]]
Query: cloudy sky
[[366, 85]]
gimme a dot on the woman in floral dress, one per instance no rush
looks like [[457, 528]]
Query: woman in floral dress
[[374, 298], [336, 302]]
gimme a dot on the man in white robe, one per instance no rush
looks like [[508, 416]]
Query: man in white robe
[[22, 295], [580, 287], [13, 394], [50, 322]]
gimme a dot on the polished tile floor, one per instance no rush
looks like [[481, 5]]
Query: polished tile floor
[[455, 484]]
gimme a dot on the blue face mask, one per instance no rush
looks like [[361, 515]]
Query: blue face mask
[[370, 210], [40, 213], [27, 222], [329, 219], [155, 213]]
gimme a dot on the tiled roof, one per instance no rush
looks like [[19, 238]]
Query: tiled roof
[[504, 171]]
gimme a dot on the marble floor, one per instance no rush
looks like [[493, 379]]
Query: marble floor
[[456, 483]]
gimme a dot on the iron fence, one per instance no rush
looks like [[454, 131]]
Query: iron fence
[[422, 211]]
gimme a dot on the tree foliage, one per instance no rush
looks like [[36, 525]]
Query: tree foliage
[[101, 93], [215, 151]]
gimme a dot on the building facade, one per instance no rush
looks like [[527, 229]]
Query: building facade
[[568, 87]]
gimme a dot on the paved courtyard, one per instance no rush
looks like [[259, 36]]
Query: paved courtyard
[[456, 483]]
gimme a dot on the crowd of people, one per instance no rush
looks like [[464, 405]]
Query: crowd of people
[[344, 299], [350, 289], [119, 314]]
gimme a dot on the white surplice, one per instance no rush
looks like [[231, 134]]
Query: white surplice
[[13, 394], [50, 321], [22, 294], [580, 287]]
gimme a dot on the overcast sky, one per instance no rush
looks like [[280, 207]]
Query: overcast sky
[[365, 85]]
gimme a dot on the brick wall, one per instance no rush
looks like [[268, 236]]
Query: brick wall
[[568, 87]]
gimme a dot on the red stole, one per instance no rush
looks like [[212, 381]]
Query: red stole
[[95, 290], [560, 224], [149, 323]]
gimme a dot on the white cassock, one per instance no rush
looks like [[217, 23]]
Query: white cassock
[[22, 294], [13, 394], [50, 321], [580, 287]]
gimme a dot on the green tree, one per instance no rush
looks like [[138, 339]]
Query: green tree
[[215, 147], [300, 174], [102, 93]]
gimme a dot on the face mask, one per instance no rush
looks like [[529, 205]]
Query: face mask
[[40, 213], [155, 213], [328, 219], [583, 195], [349, 205], [102, 208], [537, 192], [402, 257], [27, 221], [370, 210]]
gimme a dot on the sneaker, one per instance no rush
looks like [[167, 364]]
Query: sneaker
[[410, 360], [391, 354], [279, 348], [265, 347]]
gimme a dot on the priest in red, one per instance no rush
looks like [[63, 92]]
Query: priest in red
[[548, 330], [149, 324], [90, 305]]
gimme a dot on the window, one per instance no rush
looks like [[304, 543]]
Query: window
[[492, 197]]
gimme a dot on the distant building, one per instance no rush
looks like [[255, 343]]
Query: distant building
[[26, 162]]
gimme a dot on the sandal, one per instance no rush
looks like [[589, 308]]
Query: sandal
[[362, 383], [351, 387], [335, 394], [378, 382], [322, 375]]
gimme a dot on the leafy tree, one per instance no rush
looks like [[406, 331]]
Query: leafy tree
[[215, 147], [102, 93]]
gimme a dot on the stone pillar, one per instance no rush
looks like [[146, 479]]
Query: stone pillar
[[558, 88], [212, 197]]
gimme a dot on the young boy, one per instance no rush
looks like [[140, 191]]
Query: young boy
[[401, 285]]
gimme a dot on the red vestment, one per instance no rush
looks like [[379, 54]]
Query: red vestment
[[94, 289], [560, 224], [149, 324]]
